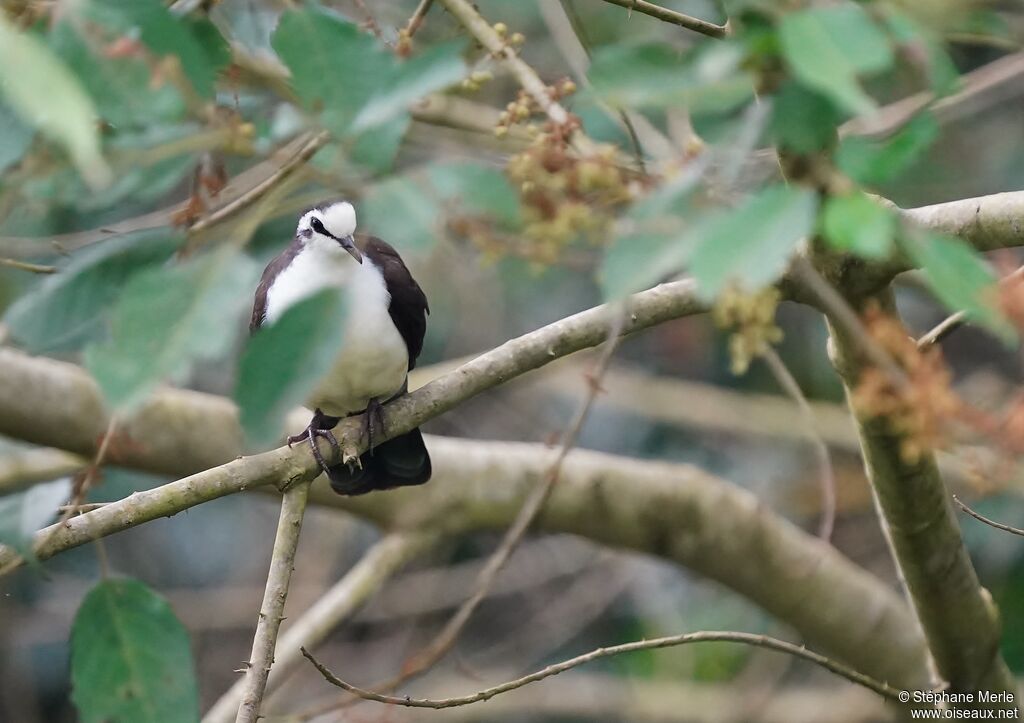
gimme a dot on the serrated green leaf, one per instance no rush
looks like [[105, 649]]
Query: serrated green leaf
[[166, 319], [829, 48], [803, 120], [375, 87], [131, 661], [23, 513], [959, 277], [163, 32], [873, 163], [750, 245], [399, 209], [655, 75], [858, 224], [66, 309], [284, 361], [15, 137], [64, 112]]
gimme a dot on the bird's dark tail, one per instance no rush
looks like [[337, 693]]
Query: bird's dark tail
[[399, 462]]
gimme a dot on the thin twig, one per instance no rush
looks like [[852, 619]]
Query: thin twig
[[293, 507], [987, 521], [445, 640], [675, 18], [416, 20], [333, 607], [26, 266], [479, 28], [315, 142], [837, 307], [956, 320], [371, 22], [760, 641], [826, 472], [572, 43], [941, 330]]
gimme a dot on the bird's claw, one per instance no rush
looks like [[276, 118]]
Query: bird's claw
[[309, 435], [373, 422]]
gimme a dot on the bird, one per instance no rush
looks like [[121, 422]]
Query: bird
[[383, 330]]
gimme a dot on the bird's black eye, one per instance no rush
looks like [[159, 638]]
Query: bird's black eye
[[318, 226]]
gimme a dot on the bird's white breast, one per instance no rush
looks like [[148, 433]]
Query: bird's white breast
[[373, 362]]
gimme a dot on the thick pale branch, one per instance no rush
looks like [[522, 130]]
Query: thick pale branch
[[987, 222], [725, 533]]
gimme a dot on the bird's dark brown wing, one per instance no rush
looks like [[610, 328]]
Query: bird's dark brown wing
[[408, 307], [279, 264]]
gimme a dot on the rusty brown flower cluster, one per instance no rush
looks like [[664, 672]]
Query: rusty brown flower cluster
[[919, 409]]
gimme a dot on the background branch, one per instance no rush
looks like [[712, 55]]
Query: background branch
[[675, 18], [760, 641]]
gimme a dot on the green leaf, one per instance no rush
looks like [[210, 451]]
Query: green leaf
[[637, 261], [348, 77], [163, 33], [873, 163], [959, 277], [121, 87], [400, 209], [166, 319], [375, 149], [829, 48], [65, 309], [131, 661], [858, 224], [283, 363], [654, 75], [15, 137], [750, 245], [411, 209], [920, 42], [23, 513], [64, 112], [435, 69], [803, 120]]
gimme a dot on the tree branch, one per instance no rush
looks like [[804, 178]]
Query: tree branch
[[760, 641], [282, 562], [336, 605], [675, 18], [479, 28], [729, 536], [991, 523], [955, 612]]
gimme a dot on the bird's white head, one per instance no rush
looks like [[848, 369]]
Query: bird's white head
[[330, 227]]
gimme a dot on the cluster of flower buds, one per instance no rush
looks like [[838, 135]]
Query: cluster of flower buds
[[476, 79], [751, 319], [525, 105], [565, 195]]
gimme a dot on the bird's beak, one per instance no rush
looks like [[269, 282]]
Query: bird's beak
[[349, 244]]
